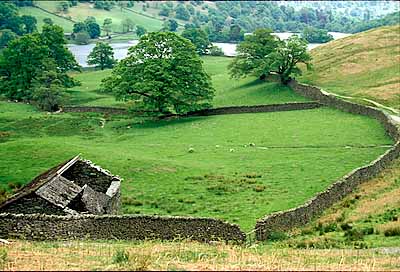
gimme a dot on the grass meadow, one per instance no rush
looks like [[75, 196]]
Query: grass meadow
[[246, 165]]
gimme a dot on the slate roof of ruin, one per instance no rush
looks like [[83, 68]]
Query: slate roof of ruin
[[54, 188], [35, 184], [59, 191]]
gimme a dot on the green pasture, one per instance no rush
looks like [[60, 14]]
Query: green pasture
[[296, 155]]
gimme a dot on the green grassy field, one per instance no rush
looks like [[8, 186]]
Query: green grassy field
[[297, 154], [83, 10], [229, 92], [364, 65], [40, 15]]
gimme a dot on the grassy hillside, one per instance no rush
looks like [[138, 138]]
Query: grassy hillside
[[362, 65], [40, 15], [83, 10], [369, 217], [229, 92]]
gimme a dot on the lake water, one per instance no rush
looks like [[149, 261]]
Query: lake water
[[81, 52]]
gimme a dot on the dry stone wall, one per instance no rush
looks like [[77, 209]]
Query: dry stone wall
[[286, 220], [121, 227], [206, 112]]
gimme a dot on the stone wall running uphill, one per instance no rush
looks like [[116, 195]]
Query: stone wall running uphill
[[286, 220]]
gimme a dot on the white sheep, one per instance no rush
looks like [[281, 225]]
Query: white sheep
[[231, 150], [191, 150]]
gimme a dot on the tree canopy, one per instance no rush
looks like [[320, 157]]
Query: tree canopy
[[140, 31], [261, 54], [284, 59], [170, 25], [162, 74], [102, 56], [315, 35], [28, 58], [251, 53], [199, 38]]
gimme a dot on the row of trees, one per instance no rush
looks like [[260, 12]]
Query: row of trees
[[90, 29]]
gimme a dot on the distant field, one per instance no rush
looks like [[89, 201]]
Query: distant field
[[83, 10], [40, 15], [297, 154], [366, 64], [229, 91]]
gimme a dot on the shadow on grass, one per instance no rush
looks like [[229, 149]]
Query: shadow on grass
[[251, 84], [256, 82]]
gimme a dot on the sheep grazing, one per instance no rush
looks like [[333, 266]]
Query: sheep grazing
[[231, 150], [191, 150], [217, 146], [252, 144]]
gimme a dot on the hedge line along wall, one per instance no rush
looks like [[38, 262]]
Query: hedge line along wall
[[122, 227], [215, 111], [285, 220]]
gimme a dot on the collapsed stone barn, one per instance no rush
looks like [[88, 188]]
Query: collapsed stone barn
[[73, 187]]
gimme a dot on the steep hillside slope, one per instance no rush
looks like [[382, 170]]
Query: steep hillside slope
[[369, 217], [362, 65]]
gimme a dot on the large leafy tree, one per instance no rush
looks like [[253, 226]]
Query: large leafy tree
[[6, 36], [20, 63], [52, 36], [29, 22], [283, 61], [251, 53], [182, 13], [102, 56], [199, 38], [162, 74], [27, 58], [92, 27], [170, 25], [140, 31]]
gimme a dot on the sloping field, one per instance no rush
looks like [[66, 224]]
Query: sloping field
[[83, 10], [40, 15], [369, 217], [366, 64]]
